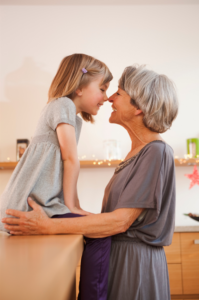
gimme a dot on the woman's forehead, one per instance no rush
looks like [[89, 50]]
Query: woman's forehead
[[121, 90]]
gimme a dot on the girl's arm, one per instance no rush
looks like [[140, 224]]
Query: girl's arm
[[68, 147], [95, 226]]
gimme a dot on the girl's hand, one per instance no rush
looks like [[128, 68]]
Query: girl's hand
[[80, 211], [34, 222]]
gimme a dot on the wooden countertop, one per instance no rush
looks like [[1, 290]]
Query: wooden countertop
[[192, 228], [39, 267]]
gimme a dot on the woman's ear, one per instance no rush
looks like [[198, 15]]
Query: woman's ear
[[138, 112], [79, 92]]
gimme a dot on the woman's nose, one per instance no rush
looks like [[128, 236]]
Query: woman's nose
[[110, 99]]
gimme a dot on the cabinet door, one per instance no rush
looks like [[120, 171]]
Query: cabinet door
[[190, 262], [175, 278], [172, 252]]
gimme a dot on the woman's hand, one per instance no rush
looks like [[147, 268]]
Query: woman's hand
[[34, 222]]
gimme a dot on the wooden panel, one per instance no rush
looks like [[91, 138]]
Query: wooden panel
[[77, 280], [78, 277], [42, 267], [183, 297], [190, 262], [172, 252], [175, 278]]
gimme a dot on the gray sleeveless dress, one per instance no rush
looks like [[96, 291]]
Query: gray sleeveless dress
[[138, 267], [40, 170]]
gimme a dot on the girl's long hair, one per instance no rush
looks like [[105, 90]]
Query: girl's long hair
[[70, 77]]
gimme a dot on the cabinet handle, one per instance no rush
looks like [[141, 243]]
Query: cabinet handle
[[196, 242]]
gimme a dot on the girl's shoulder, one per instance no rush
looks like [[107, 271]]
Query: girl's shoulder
[[63, 102]]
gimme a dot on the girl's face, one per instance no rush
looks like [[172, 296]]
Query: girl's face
[[91, 97]]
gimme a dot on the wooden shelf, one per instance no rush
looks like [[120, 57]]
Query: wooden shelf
[[8, 165], [179, 162], [83, 163], [182, 162]]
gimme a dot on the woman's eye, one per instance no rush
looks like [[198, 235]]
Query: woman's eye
[[118, 94], [102, 90]]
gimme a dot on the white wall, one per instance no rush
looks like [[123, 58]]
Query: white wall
[[33, 41]]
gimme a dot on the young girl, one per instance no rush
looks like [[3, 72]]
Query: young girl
[[49, 168]]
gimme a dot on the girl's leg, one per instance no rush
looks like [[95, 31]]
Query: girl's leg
[[94, 269], [94, 266], [69, 215]]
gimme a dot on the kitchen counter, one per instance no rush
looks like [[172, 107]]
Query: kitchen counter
[[187, 228], [39, 267]]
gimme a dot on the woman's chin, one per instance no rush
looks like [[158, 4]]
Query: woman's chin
[[111, 119]]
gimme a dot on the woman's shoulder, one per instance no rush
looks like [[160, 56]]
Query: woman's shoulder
[[158, 147], [155, 153]]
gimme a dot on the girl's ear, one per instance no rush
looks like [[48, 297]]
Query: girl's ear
[[79, 92], [138, 112]]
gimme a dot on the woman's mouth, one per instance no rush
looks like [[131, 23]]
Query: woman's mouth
[[114, 109]]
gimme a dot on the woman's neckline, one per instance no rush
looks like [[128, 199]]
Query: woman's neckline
[[132, 157]]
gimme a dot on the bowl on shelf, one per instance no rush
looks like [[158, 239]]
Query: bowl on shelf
[[193, 216]]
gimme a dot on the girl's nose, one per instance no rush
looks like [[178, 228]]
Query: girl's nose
[[105, 98]]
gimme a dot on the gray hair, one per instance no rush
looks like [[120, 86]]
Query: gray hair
[[154, 94]]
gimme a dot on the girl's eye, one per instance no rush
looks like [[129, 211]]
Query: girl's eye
[[118, 94], [102, 90]]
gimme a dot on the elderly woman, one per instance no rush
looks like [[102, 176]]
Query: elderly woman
[[138, 208]]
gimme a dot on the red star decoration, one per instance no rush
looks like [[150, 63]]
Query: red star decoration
[[194, 177]]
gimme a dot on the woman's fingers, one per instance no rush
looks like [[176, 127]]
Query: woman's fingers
[[17, 233], [15, 221], [33, 204], [15, 213], [20, 228], [11, 227]]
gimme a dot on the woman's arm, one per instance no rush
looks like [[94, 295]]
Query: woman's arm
[[100, 225], [94, 226]]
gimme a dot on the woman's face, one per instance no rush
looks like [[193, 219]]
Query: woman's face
[[123, 110]]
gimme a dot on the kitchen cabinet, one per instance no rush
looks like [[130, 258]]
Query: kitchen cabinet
[[190, 262], [183, 265]]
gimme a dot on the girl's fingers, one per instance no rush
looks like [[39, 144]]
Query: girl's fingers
[[11, 221], [87, 213]]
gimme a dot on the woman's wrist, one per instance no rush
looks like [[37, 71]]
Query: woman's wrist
[[52, 226]]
